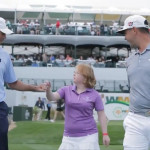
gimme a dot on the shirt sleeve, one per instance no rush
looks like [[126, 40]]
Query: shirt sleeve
[[98, 103], [9, 74], [61, 92]]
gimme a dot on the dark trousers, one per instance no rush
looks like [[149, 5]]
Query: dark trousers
[[3, 126], [48, 113]]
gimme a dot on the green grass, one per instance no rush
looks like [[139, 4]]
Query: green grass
[[40, 135], [53, 147]]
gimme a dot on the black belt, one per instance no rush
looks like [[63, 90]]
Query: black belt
[[145, 114]]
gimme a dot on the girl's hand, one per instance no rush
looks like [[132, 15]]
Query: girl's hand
[[106, 140], [48, 86]]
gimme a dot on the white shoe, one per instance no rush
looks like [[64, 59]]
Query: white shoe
[[52, 121]]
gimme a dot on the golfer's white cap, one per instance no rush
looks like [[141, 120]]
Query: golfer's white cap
[[3, 27], [134, 21]]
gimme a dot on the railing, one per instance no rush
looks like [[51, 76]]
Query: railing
[[65, 63], [110, 86], [63, 30]]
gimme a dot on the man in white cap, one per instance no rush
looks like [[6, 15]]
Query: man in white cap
[[137, 122], [7, 75]]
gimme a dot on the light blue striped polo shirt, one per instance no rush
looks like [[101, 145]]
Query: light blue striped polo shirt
[[7, 73], [138, 70]]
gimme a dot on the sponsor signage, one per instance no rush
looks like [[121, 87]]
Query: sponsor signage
[[116, 105]]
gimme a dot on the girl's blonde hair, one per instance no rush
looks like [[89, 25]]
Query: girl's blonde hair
[[88, 73]]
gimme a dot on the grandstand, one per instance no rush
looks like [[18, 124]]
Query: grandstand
[[110, 81], [93, 12], [70, 11], [81, 36], [72, 44]]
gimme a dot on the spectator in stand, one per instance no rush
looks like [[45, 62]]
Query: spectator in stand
[[81, 58], [25, 28], [39, 57], [100, 59], [32, 27], [52, 58], [68, 61], [68, 58], [98, 32], [79, 29], [61, 63], [28, 61], [110, 31], [57, 26], [34, 57], [105, 29], [18, 57], [12, 58], [19, 27], [44, 59], [103, 59], [99, 62], [102, 29], [115, 28], [96, 64], [74, 63], [92, 32], [37, 27], [8, 24], [90, 58], [61, 57]]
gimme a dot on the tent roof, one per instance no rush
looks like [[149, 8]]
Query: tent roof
[[48, 40]]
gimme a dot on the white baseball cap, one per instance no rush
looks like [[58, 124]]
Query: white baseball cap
[[3, 27], [134, 21]]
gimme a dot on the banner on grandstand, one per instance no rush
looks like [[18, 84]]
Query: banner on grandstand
[[116, 105]]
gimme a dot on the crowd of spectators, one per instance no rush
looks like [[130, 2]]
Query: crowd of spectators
[[70, 28], [44, 60], [25, 26]]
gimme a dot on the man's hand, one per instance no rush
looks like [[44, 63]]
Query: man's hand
[[42, 87]]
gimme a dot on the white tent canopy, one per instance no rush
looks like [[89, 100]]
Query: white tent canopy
[[82, 6], [98, 11]]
